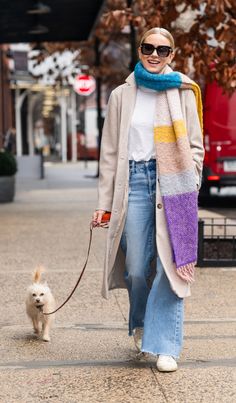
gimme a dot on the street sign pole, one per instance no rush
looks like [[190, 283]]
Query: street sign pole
[[84, 85]]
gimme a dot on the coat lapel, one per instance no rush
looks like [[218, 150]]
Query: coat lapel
[[127, 106]]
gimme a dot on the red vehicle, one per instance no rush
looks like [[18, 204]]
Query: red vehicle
[[220, 139], [83, 152]]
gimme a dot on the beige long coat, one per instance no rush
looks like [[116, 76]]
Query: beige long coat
[[114, 177]]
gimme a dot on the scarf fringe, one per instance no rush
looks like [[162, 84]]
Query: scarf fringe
[[186, 272]]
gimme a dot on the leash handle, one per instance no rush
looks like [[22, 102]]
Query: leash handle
[[104, 224]]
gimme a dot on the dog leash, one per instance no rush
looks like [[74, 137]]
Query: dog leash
[[104, 224]]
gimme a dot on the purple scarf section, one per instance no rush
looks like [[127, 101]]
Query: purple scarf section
[[182, 226]]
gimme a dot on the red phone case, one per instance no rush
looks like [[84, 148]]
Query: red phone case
[[106, 217]]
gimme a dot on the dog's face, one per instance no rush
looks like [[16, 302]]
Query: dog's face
[[38, 294]]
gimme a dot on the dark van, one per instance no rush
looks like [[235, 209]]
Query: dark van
[[219, 115]]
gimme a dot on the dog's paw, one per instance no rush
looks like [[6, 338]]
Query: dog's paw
[[46, 338]]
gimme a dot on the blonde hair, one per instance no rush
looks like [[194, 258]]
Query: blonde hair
[[161, 31]]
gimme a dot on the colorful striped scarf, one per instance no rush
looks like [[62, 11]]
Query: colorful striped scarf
[[175, 164]]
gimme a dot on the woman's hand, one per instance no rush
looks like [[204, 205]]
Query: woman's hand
[[97, 217]]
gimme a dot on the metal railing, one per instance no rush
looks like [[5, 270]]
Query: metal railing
[[217, 242]]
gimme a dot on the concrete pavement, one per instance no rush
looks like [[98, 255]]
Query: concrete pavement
[[90, 357]]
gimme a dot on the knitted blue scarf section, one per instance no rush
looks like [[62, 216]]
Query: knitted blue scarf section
[[158, 82]]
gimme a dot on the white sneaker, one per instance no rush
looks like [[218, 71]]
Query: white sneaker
[[137, 335], [166, 363]]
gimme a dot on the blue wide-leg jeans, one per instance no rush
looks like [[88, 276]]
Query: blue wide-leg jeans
[[153, 305]]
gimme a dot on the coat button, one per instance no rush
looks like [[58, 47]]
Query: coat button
[[159, 205]]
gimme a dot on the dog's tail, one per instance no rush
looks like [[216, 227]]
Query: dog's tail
[[37, 273]]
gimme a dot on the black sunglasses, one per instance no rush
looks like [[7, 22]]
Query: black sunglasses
[[162, 51]]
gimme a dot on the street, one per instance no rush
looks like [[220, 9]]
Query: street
[[90, 357]]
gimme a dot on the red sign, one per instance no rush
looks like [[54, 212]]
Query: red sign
[[84, 84]]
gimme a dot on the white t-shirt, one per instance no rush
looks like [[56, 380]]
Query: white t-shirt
[[141, 136]]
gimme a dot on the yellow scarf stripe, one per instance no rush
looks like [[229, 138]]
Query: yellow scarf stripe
[[197, 93], [198, 97], [169, 134]]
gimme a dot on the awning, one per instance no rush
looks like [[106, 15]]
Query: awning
[[48, 20]]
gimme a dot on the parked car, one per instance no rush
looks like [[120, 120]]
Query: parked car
[[83, 152], [220, 139]]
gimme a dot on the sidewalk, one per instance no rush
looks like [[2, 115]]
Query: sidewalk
[[90, 357]]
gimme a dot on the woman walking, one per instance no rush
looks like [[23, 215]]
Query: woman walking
[[150, 173]]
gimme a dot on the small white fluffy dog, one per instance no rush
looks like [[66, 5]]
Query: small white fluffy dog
[[40, 299]]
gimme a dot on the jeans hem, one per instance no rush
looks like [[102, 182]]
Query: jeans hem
[[131, 332], [160, 353]]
